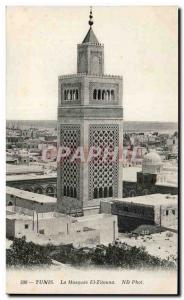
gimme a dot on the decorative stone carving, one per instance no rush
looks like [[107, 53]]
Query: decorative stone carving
[[103, 176], [70, 170]]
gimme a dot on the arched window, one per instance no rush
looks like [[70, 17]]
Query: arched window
[[95, 193], [125, 193], [68, 191], [64, 190], [112, 94], [77, 94], [99, 94], [132, 193], [106, 95], [103, 95], [38, 190], [74, 192], [95, 94], [105, 192], [10, 203], [70, 94], [65, 95], [29, 190], [71, 191], [73, 94], [145, 192], [110, 191], [50, 191], [100, 192], [153, 180]]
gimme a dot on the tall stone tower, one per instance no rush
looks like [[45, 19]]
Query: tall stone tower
[[90, 116]]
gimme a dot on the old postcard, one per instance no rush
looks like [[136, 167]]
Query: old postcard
[[92, 150]]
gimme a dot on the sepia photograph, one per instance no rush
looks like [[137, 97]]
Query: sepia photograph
[[92, 150]]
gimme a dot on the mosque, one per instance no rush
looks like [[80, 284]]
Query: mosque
[[155, 176]]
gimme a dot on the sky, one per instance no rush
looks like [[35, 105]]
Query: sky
[[140, 44]]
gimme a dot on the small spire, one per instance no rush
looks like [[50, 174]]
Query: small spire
[[90, 17], [90, 36]]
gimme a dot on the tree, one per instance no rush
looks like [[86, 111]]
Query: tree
[[27, 253]]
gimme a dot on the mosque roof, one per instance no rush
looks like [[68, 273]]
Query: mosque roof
[[90, 37], [152, 158]]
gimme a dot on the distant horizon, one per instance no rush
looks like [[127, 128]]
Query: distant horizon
[[123, 120], [128, 126]]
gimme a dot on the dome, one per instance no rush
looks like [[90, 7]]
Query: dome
[[152, 158]]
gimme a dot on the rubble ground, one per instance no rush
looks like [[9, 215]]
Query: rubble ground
[[162, 244]]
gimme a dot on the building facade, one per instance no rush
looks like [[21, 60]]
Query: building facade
[[43, 184], [90, 116], [158, 209]]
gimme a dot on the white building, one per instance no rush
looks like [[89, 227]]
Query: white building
[[35, 216]]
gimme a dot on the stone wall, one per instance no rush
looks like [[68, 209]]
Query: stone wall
[[166, 215], [64, 229], [131, 215], [128, 224], [132, 189], [26, 204], [10, 228]]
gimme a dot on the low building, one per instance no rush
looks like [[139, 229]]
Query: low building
[[56, 228], [106, 224], [26, 202], [52, 228], [42, 184], [11, 160], [35, 216], [157, 209], [14, 141], [33, 143]]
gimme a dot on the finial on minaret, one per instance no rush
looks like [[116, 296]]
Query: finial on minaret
[[90, 17]]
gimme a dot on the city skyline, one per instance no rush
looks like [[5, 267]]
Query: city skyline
[[143, 47]]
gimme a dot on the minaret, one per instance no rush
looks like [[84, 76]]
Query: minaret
[[90, 54], [90, 116]]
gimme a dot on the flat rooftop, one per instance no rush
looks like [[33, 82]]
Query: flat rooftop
[[22, 216], [25, 177], [17, 216], [153, 199], [23, 169], [30, 196], [92, 217], [167, 183]]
